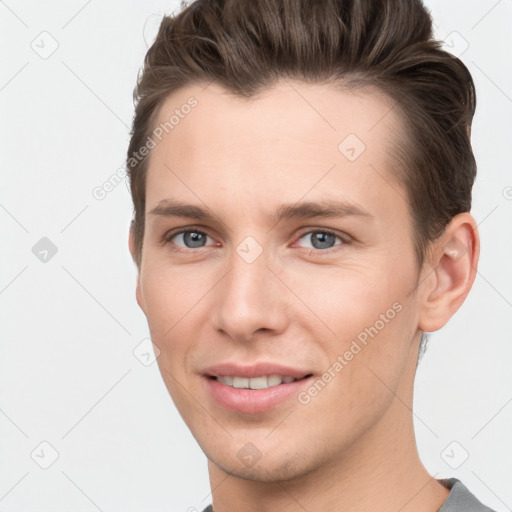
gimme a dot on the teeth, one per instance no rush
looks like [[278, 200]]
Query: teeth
[[262, 382], [274, 380], [240, 382], [257, 383], [226, 380]]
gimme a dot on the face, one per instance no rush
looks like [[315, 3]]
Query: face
[[250, 286]]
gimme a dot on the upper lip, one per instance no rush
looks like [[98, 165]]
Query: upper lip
[[254, 370]]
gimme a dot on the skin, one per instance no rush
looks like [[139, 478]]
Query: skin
[[353, 445]]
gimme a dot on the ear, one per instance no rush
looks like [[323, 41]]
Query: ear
[[131, 246], [451, 272]]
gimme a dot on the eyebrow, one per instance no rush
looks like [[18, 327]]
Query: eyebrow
[[304, 210]]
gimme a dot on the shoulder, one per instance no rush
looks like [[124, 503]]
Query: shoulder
[[460, 499]]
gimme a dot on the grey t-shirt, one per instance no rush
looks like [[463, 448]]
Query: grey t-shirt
[[460, 499]]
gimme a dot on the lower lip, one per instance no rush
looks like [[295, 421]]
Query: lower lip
[[253, 400]]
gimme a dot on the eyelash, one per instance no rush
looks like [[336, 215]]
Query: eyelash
[[167, 238]]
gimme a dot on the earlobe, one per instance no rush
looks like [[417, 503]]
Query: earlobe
[[449, 271], [131, 246], [453, 272], [131, 242], [138, 295]]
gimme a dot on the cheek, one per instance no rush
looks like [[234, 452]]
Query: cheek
[[177, 311], [366, 327], [169, 299], [168, 294], [367, 375], [349, 297]]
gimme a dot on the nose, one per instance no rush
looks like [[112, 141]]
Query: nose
[[250, 300]]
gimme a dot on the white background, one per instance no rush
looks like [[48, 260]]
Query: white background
[[68, 327]]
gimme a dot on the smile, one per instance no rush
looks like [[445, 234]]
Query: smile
[[252, 395], [262, 382]]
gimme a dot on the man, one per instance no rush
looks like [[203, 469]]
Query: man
[[301, 175]]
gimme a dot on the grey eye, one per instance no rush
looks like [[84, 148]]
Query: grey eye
[[321, 239], [192, 239]]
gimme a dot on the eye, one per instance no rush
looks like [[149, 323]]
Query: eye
[[322, 240], [190, 238]]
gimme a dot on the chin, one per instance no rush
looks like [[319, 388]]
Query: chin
[[271, 467]]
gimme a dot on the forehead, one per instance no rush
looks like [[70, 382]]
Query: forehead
[[316, 113], [299, 138]]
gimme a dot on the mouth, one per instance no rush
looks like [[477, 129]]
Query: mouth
[[254, 389], [260, 382]]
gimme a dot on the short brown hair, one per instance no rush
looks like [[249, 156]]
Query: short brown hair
[[248, 45]]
